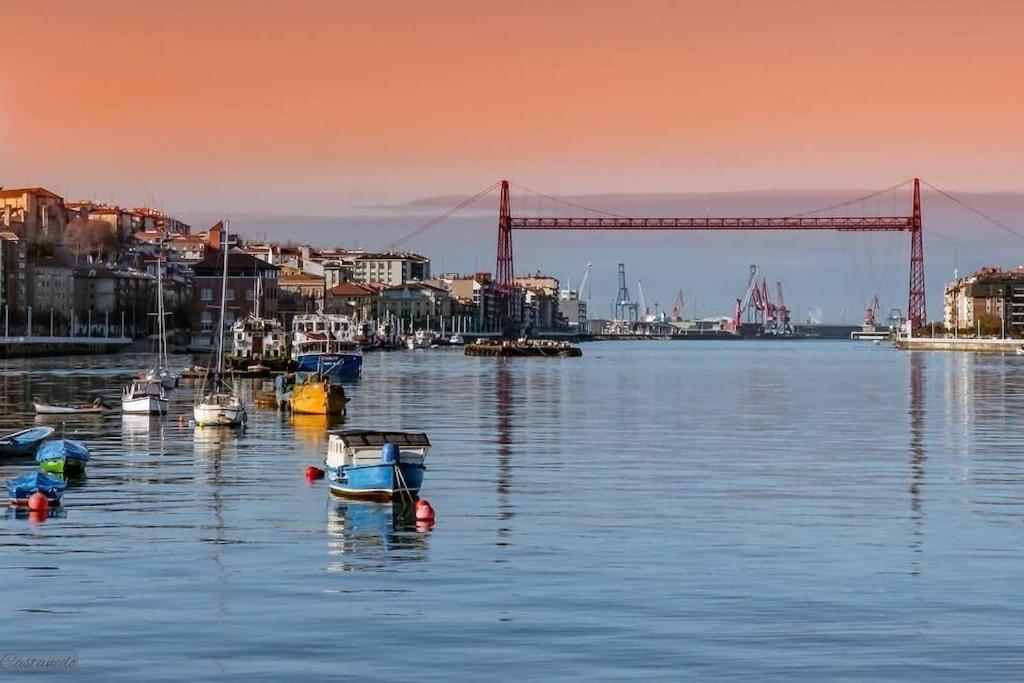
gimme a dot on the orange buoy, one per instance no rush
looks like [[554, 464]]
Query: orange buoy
[[424, 513], [38, 516], [423, 526], [314, 473], [38, 501]]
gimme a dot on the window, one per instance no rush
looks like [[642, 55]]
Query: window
[[231, 295], [206, 320], [250, 295], [206, 294]]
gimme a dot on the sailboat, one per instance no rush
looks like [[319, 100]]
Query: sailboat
[[161, 372], [219, 405]]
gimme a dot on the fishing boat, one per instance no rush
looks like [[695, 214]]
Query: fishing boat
[[376, 465], [63, 456], [24, 442], [144, 397], [161, 371], [423, 339], [316, 395], [19, 489], [218, 405], [44, 408], [325, 343]]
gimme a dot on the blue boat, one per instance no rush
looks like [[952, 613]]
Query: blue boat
[[376, 465], [24, 442], [324, 343], [20, 488], [63, 456]]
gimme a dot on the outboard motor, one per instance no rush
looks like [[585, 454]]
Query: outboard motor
[[390, 454]]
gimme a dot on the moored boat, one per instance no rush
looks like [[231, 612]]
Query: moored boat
[[325, 343], [44, 408], [143, 397], [63, 456], [24, 442], [457, 340], [19, 489], [317, 396], [376, 465]]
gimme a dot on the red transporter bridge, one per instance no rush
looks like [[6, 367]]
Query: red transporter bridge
[[910, 223]]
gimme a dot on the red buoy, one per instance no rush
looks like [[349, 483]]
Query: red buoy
[[424, 513], [313, 473], [38, 516], [38, 501]]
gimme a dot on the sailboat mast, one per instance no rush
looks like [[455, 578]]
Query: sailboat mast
[[161, 349], [223, 306]]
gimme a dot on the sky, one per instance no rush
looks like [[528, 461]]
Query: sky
[[261, 109]]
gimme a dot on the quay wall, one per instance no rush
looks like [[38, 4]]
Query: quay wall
[[971, 345]]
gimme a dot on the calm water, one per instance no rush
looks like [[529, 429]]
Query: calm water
[[781, 510]]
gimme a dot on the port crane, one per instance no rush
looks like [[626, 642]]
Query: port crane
[[624, 308], [583, 282], [677, 308], [871, 313]]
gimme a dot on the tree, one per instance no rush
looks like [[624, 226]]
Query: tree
[[92, 237]]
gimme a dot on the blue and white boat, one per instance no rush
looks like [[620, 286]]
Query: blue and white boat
[[63, 456], [325, 343], [376, 465], [24, 442], [20, 488]]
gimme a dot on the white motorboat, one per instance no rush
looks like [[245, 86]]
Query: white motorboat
[[218, 405], [423, 339], [1020, 350], [142, 397], [457, 340]]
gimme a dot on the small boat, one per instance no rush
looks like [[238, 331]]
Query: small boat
[[1020, 350], [218, 405], [24, 442], [20, 488], [375, 465], [63, 456], [325, 343], [142, 397], [457, 340], [258, 370], [97, 406], [423, 339], [318, 396]]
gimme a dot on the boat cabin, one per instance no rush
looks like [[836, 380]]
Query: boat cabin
[[354, 447]]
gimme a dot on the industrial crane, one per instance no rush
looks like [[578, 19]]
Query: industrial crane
[[872, 312], [642, 301], [583, 282], [744, 303], [677, 309]]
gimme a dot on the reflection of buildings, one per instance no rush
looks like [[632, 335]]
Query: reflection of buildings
[[370, 536], [504, 407]]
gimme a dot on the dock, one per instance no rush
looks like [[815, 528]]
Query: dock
[[523, 349], [963, 344]]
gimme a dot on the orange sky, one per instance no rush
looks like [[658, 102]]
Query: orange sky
[[314, 107]]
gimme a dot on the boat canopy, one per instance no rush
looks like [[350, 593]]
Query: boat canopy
[[372, 437], [63, 448]]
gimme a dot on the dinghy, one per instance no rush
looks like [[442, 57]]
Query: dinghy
[[19, 489], [63, 456], [24, 442], [97, 406]]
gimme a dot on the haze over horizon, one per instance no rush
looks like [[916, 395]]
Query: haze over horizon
[[326, 121]]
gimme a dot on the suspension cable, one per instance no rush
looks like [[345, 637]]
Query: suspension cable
[[438, 219], [975, 211]]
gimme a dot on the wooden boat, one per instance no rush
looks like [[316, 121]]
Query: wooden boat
[[143, 397], [218, 405], [19, 489], [24, 442], [318, 396], [376, 465], [63, 456], [97, 406]]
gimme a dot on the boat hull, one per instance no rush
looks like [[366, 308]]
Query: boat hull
[[212, 415], [44, 409], [25, 442], [375, 482], [336, 366], [318, 398], [144, 405], [20, 489]]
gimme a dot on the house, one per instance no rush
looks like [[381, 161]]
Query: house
[[12, 275], [244, 271], [415, 301], [391, 268], [103, 294], [34, 214], [302, 286], [51, 287], [989, 299], [358, 301]]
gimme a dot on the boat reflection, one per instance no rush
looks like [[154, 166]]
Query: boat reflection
[[21, 512], [313, 429], [368, 536], [210, 443], [135, 430]]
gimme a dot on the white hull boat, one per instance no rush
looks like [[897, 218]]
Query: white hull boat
[[97, 406], [219, 410], [144, 398]]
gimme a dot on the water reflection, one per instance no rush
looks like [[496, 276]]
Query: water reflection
[[916, 413], [312, 429], [367, 536], [504, 405]]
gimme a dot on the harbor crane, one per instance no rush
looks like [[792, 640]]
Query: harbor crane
[[624, 308], [642, 301], [583, 282], [871, 313], [677, 309]]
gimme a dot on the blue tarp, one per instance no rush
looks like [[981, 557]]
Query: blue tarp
[[20, 488], [63, 449]]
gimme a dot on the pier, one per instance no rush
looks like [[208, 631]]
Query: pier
[[20, 347]]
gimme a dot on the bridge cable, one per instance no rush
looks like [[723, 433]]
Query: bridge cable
[[567, 202], [438, 219], [975, 211]]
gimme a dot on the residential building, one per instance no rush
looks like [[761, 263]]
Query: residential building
[[418, 302], [146, 219], [34, 214], [539, 283], [302, 285], [358, 301], [391, 268], [243, 272], [121, 220], [12, 274], [990, 299], [104, 295], [51, 287]]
